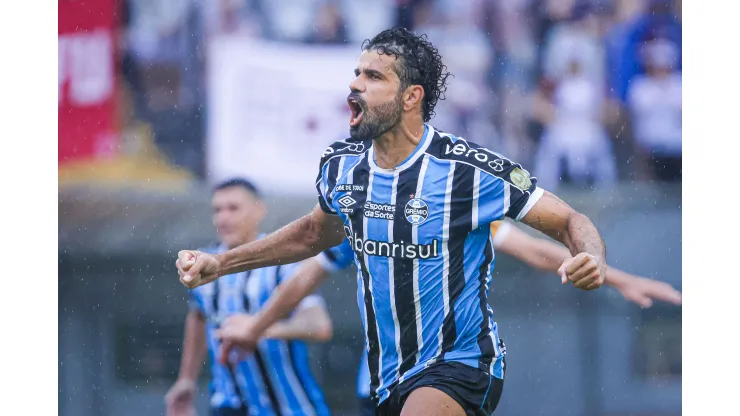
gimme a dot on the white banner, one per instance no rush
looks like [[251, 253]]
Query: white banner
[[274, 108]]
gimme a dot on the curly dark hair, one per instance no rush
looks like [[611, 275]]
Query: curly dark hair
[[418, 62]]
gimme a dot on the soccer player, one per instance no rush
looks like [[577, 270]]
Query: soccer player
[[276, 378], [536, 252], [415, 205]]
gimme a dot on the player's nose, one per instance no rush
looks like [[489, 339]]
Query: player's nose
[[356, 85]]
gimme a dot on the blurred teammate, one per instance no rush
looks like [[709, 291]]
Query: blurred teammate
[[415, 205], [276, 378], [536, 252]]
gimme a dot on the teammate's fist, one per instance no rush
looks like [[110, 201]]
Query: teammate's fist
[[237, 331], [585, 271], [196, 268]]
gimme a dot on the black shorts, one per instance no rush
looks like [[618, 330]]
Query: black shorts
[[477, 391]]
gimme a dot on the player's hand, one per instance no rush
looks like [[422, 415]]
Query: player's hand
[[179, 399], [196, 268], [644, 291], [237, 331], [585, 271]]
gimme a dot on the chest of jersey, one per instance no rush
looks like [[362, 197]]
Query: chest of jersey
[[404, 215]]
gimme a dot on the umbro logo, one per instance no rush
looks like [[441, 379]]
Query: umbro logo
[[346, 201]]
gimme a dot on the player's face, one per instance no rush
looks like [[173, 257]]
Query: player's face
[[375, 99], [236, 215]]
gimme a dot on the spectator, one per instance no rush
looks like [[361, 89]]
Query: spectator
[[625, 41], [655, 103], [574, 147], [468, 55], [329, 26], [577, 37], [365, 18], [289, 20]]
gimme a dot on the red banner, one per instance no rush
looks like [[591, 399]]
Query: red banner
[[87, 63]]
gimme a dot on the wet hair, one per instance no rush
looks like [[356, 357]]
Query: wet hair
[[238, 183], [418, 62]]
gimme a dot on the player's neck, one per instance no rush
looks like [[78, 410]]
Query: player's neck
[[397, 144]]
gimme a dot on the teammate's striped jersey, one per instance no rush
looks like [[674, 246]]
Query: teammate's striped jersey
[[341, 256], [276, 379], [420, 233]]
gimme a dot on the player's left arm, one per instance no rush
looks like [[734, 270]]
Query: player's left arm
[[508, 190], [548, 256], [586, 269]]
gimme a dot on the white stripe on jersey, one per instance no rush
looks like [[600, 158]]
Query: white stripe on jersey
[[392, 282], [496, 350], [476, 196], [340, 168], [257, 376], [274, 378], [415, 240], [507, 197], [370, 282], [295, 385], [446, 253]]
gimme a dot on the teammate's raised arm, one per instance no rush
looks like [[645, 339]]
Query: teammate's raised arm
[[245, 333], [547, 255], [299, 240]]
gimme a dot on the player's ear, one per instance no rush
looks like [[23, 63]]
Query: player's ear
[[412, 97]]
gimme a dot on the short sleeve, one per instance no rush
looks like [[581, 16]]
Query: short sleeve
[[330, 169], [506, 189], [324, 189], [336, 258]]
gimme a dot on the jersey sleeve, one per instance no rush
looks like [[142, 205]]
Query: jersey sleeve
[[506, 189], [324, 188], [336, 258], [330, 169]]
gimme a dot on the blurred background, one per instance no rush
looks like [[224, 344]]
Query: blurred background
[[160, 99]]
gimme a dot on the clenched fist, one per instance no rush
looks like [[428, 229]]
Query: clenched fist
[[585, 271], [196, 268]]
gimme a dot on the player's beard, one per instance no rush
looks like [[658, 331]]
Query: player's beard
[[377, 121]]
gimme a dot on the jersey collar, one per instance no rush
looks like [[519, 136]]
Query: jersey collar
[[426, 139]]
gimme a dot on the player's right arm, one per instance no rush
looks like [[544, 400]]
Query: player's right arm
[[299, 240]]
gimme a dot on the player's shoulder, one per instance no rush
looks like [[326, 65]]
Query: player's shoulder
[[448, 147], [346, 147]]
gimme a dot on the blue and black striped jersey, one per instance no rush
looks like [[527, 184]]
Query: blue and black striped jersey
[[276, 379], [421, 240]]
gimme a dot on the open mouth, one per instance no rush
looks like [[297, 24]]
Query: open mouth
[[357, 111]]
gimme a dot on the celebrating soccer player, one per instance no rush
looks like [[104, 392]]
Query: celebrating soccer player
[[415, 205]]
